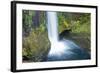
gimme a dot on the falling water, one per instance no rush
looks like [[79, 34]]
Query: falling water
[[64, 49], [52, 24]]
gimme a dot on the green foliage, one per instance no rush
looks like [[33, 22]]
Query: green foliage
[[36, 45], [82, 25], [64, 21], [27, 21], [78, 22]]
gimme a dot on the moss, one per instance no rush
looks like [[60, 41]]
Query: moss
[[36, 45]]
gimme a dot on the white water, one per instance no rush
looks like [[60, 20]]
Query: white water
[[63, 49], [52, 25], [57, 47]]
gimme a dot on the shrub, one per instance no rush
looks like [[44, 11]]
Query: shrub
[[36, 45]]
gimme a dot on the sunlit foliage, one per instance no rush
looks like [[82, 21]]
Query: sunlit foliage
[[36, 44]]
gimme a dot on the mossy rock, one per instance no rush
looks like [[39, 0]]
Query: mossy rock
[[36, 46], [83, 40]]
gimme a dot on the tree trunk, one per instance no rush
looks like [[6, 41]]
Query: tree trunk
[[36, 19]]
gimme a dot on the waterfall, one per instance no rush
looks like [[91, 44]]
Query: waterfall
[[61, 49], [52, 25]]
